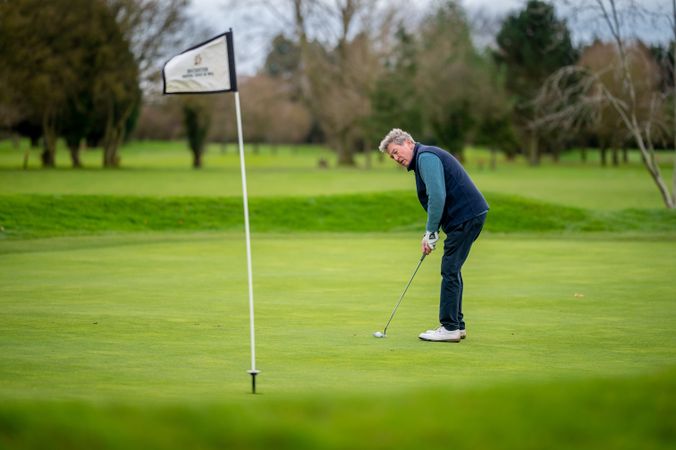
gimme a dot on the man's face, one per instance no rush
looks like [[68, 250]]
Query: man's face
[[402, 154]]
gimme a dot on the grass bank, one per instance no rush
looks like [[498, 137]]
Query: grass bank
[[45, 215], [162, 169]]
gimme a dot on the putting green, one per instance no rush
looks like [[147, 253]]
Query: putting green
[[164, 316]]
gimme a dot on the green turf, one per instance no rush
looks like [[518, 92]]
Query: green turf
[[165, 317], [140, 341], [163, 169], [124, 315], [34, 216], [618, 413]]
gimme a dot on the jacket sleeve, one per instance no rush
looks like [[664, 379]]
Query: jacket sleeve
[[432, 174]]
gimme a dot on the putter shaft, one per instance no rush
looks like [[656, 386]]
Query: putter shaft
[[403, 293]]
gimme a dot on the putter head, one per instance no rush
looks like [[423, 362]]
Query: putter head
[[379, 334]]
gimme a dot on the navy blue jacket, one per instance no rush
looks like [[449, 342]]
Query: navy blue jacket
[[463, 199]]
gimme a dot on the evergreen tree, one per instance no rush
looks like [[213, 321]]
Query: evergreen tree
[[532, 44]]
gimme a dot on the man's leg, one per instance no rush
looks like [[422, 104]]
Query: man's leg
[[456, 249]]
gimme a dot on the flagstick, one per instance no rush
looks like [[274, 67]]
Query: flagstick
[[253, 372]]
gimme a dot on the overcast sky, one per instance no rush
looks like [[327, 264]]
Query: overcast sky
[[251, 49]]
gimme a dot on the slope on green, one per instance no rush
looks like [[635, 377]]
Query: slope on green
[[141, 341], [42, 215]]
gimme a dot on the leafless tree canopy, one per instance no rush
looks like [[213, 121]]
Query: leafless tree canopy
[[613, 86]]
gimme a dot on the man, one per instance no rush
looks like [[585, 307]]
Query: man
[[452, 202]]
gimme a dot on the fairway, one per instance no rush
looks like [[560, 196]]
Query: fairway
[[162, 169], [164, 316]]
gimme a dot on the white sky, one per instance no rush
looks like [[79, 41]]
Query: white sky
[[251, 49]]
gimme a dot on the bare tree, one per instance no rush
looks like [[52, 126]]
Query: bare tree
[[575, 96], [341, 43], [154, 29], [271, 113], [340, 67]]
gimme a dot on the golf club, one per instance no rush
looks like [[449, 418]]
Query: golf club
[[378, 334]]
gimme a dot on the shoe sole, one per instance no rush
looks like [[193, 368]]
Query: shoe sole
[[462, 336], [439, 340]]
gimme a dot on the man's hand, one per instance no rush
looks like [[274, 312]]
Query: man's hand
[[429, 242]]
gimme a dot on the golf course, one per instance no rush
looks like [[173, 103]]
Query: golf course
[[124, 319]]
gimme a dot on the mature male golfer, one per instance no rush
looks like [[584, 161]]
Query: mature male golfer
[[452, 202]]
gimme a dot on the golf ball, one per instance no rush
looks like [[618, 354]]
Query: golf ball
[[378, 334]]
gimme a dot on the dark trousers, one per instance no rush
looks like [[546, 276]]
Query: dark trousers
[[459, 240]]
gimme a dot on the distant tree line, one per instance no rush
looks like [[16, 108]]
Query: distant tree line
[[379, 70], [343, 73], [74, 69]]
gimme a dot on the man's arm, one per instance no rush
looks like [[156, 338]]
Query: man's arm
[[432, 174]]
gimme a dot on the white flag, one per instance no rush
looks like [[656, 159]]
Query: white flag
[[206, 68]]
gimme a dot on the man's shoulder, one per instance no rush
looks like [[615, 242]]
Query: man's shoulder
[[431, 150], [428, 158]]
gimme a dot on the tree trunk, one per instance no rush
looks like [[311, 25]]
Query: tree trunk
[[74, 148], [615, 156], [533, 151], [48, 141], [648, 157], [197, 159], [114, 135], [556, 154], [625, 155], [35, 141], [583, 154], [26, 155], [604, 156], [48, 159], [345, 157], [345, 154]]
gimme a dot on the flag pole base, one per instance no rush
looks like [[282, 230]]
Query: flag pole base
[[253, 374]]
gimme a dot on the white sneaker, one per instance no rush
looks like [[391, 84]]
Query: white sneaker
[[463, 333], [441, 334]]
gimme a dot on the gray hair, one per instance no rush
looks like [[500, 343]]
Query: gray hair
[[395, 135]]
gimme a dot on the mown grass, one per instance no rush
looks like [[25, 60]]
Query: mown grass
[[42, 215], [164, 316], [124, 315], [141, 341], [163, 169]]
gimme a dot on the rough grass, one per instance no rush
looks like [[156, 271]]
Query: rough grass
[[624, 413], [35, 215]]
